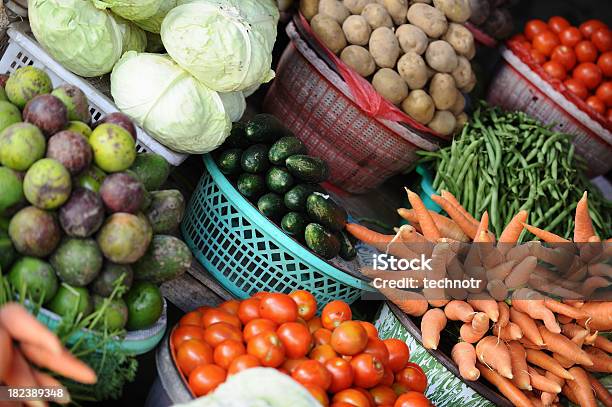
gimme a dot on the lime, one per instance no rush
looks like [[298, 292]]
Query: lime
[[71, 301], [36, 277], [11, 187], [79, 127], [116, 314], [145, 305], [91, 179]]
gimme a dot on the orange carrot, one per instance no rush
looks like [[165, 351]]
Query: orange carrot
[[409, 234], [527, 325], [583, 226], [563, 319], [455, 214], [428, 226], [519, 366], [65, 364], [567, 392], [548, 398], [23, 327], [591, 284], [520, 274], [447, 227], [495, 354], [581, 387], [483, 228], [459, 311], [560, 308], [560, 344], [510, 332], [504, 314], [563, 361], [410, 302], [600, 269], [432, 323], [505, 387], [545, 235], [20, 373], [543, 383], [601, 361], [518, 253], [532, 303], [464, 355], [603, 343], [474, 331], [599, 315], [501, 271], [374, 239], [455, 202], [601, 392], [548, 363], [6, 351], [486, 304], [498, 290], [512, 231]]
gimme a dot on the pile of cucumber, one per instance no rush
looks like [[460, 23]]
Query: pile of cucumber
[[271, 168]]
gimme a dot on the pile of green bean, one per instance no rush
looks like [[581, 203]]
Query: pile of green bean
[[503, 162]]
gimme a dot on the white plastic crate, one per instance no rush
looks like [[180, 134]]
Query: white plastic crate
[[22, 50]]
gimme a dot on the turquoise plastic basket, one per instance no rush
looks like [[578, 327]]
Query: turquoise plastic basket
[[247, 253]]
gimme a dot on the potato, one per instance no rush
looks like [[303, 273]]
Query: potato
[[419, 106], [413, 70], [377, 16], [357, 30], [384, 47], [428, 19], [309, 8], [455, 10], [412, 38], [443, 91], [359, 59], [334, 9], [443, 122], [441, 56], [461, 119], [462, 73], [470, 85], [397, 9], [460, 38], [356, 6], [459, 105], [480, 10], [419, 1], [390, 85], [329, 32]]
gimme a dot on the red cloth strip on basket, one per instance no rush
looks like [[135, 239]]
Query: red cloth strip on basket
[[364, 94]]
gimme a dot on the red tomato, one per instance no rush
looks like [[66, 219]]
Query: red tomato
[[370, 329], [368, 370], [577, 88], [367, 394], [398, 354], [279, 308], [589, 74], [605, 63], [242, 362], [219, 332], [260, 294], [596, 104], [546, 42], [589, 27], [323, 353], [602, 38], [412, 399], [349, 338], [519, 38], [570, 37], [555, 69], [537, 56], [258, 326], [335, 313], [227, 351], [609, 115], [400, 388], [604, 93], [193, 353], [193, 318], [296, 337], [341, 373], [388, 377], [383, 395], [535, 27], [215, 315], [586, 51], [413, 377], [306, 303], [565, 56], [268, 348], [557, 24], [313, 373], [319, 394], [341, 404], [290, 364], [314, 324], [322, 336], [206, 378], [248, 310], [352, 397], [230, 306], [377, 348], [186, 332]]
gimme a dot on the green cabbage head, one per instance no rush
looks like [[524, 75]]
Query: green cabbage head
[[134, 38], [131, 9], [226, 44], [170, 104], [84, 39], [153, 23]]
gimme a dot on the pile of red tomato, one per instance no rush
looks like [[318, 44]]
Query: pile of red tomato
[[343, 363], [580, 57]]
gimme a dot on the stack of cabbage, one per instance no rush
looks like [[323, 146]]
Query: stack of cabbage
[[219, 52]]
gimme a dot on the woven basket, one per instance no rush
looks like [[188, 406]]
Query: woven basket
[[518, 87], [315, 103]]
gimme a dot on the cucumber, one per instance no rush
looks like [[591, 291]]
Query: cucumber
[[322, 209], [265, 128], [321, 241], [237, 137], [294, 223], [251, 185], [271, 205], [295, 198], [255, 159], [285, 148], [307, 168], [347, 249], [229, 161], [279, 180]]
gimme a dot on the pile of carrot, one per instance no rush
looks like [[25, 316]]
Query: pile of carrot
[[532, 347]]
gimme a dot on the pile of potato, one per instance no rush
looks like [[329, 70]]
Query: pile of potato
[[416, 55]]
